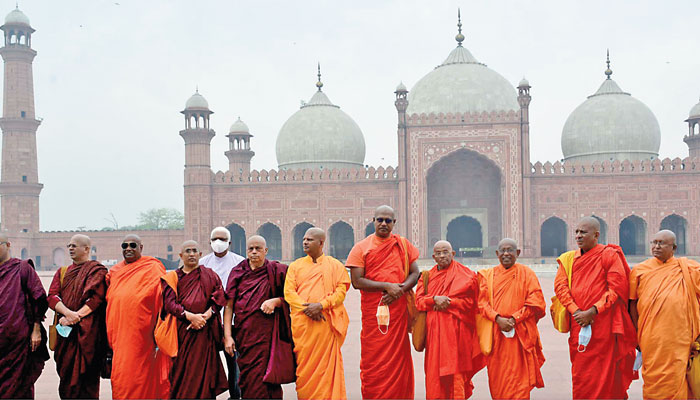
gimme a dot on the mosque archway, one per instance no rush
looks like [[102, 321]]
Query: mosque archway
[[59, 257], [633, 233], [298, 233], [24, 254], [238, 239], [341, 239], [273, 237], [603, 238], [553, 237], [466, 236], [464, 184], [678, 225], [369, 229]]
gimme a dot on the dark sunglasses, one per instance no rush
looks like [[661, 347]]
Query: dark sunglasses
[[133, 245], [387, 220]]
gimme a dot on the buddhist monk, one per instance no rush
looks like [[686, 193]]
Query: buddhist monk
[[197, 371], [79, 299], [510, 295], [255, 288], [383, 267], [23, 304], [666, 312], [597, 298], [452, 353], [134, 300], [315, 290]]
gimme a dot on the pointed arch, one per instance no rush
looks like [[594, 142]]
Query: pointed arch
[[24, 254], [678, 225], [273, 237], [633, 234], [238, 239], [465, 234], [603, 238], [369, 229], [553, 237], [341, 239], [298, 237]]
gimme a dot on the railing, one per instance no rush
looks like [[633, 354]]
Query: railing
[[307, 175]]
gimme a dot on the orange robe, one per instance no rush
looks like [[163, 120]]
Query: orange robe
[[669, 321], [452, 353], [134, 300], [386, 366], [600, 277], [514, 364], [317, 344]]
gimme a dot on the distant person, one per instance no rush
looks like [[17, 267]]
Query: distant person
[[134, 300], [452, 353], [315, 289], [510, 295], [77, 294], [23, 305], [665, 309], [383, 267]]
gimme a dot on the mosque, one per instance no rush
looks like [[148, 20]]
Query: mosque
[[464, 171]]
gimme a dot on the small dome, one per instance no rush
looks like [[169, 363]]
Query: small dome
[[695, 111], [401, 87], [17, 17], [524, 83], [239, 127], [197, 101]]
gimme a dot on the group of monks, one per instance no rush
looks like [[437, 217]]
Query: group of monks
[[158, 334]]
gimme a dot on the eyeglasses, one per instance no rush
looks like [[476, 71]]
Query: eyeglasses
[[133, 245], [442, 253], [655, 243], [509, 250], [382, 220]]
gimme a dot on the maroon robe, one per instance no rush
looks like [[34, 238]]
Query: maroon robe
[[197, 371], [23, 302], [80, 355], [252, 329]]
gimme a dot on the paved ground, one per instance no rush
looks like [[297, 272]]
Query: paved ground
[[556, 370]]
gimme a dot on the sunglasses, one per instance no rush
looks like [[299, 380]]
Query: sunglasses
[[133, 245], [382, 220]]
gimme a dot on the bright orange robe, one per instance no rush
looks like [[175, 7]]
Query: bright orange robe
[[317, 344], [669, 321], [514, 364], [134, 300], [386, 366], [600, 277]]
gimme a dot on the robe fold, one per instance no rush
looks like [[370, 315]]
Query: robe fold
[[600, 277], [669, 322], [514, 363], [79, 356], [197, 371], [22, 304], [252, 329], [386, 366], [317, 344], [452, 353], [134, 300]]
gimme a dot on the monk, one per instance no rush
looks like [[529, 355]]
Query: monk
[[23, 304], [452, 353], [134, 299], [667, 315], [598, 298], [255, 288], [197, 371], [315, 290], [383, 267], [510, 295], [80, 301]]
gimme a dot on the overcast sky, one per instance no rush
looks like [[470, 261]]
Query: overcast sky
[[111, 77]]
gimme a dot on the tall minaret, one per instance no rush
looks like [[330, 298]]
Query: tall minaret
[[239, 153], [19, 184]]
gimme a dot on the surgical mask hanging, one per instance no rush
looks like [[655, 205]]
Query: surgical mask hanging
[[63, 330], [584, 337], [219, 246], [510, 334], [383, 317], [637, 362]]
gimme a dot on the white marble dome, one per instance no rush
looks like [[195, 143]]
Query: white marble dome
[[17, 17], [197, 101], [239, 127], [695, 111]]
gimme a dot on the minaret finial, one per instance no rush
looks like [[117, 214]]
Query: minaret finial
[[196, 89], [459, 38], [319, 84], [608, 71]]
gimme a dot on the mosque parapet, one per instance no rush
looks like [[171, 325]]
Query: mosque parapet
[[307, 175], [626, 167], [510, 116]]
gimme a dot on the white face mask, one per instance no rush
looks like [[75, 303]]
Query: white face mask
[[584, 337], [219, 246], [383, 316], [510, 334]]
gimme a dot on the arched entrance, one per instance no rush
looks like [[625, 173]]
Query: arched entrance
[[273, 237], [341, 240], [553, 237], [59, 257], [238, 239], [678, 225], [465, 235], [633, 233], [369, 229], [298, 234], [603, 238], [24, 254]]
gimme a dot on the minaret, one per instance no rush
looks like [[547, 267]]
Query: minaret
[[19, 184], [524, 101], [239, 153], [401, 104], [693, 137]]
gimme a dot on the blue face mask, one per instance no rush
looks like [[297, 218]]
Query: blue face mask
[[638, 361], [584, 337], [63, 330]]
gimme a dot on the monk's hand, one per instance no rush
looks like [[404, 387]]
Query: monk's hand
[[585, 318], [197, 321], [314, 311], [268, 306], [505, 324], [392, 292], [35, 338], [72, 318], [441, 302], [229, 345]]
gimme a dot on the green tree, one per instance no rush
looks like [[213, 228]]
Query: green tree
[[161, 218]]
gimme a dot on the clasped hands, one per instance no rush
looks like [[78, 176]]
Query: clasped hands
[[69, 318], [392, 292], [441, 303], [585, 318], [197, 321], [505, 324]]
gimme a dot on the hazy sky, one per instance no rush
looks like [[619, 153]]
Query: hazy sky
[[112, 76]]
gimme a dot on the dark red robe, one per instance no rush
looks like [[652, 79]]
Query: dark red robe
[[252, 329], [23, 302], [197, 371], [80, 355]]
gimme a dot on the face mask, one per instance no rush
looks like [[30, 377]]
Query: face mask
[[219, 246], [383, 317], [584, 337], [63, 330], [510, 334], [637, 362]]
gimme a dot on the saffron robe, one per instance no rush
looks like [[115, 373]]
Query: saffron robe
[[317, 344], [79, 356], [134, 300], [600, 277], [23, 303], [386, 366], [252, 328], [197, 371], [452, 353], [514, 363], [669, 322]]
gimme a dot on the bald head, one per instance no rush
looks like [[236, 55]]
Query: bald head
[[256, 239], [132, 237], [663, 245], [190, 254], [507, 252], [189, 243], [509, 242], [317, 233], [256, 251], [442, 244], [131, 248], [79, 248], [384, 219], [4, 248], [313, 241], [587, 233], [384, 210], [591, 222], [443, 254], [80, 240]]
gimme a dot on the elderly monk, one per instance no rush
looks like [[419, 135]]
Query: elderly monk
[[134, 300], [598, 298], [77, 294], [383, 267], [452, 354], [510, 295], [255, 288], [197, 371], [665, 309], [22, 337], [315, 290]]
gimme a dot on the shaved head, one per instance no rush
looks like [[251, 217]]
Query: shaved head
[[317, 233], [508, 241], [386, 210], [189, 243], [443, 254], [507, 252], [663, 245], [132, 238], [81, 240], [384, 219], [313, 241], [442, 244], [190, 254], [130, 253], [592, 222], [666, 234], [256, 239], [256, 250]]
